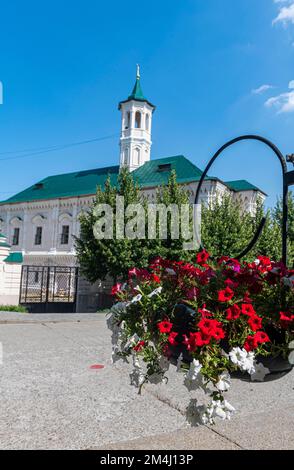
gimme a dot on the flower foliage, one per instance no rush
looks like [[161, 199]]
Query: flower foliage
[[210, 318]]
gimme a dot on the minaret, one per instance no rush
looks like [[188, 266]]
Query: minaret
[[135, 139]]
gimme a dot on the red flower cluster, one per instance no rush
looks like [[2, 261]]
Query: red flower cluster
[[144, 275], [209, 329], [253, 341]]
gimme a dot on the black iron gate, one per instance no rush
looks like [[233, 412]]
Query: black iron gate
[[49, 289]]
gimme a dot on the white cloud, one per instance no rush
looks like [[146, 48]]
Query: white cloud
[[286, 13], [283, 103], [262, 89]]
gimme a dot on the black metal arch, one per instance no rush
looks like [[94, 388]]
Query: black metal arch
[[285, 190]]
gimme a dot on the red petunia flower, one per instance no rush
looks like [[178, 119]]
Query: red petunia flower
[[225, 295], [211, 328], [255, 322], [247, 309], [218, 334], [155, 278], [165, 326], [196, 340], [139, 346], [116, 289], [252, 341], [202, 257], [233, 312], [286, 319], [204, 312], [172, 338], [264, 264], [261, 337]]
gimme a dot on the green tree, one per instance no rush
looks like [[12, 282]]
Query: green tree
[[277, 215], [225, 228], [270, 241], [171, 195], [114, 257]]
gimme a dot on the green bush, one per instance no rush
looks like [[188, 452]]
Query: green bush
[[13, 308]]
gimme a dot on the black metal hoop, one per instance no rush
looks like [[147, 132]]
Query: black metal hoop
[[285, 191]]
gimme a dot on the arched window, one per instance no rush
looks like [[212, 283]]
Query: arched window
[[128, 120], [137, 156], [147, 122], [138, 120]]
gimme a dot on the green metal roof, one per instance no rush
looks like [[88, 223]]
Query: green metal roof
[[2, 236], [153, 173], [242, 185], [15, 257], [137, 94], [4, 245], [80, 183], [83, 183]]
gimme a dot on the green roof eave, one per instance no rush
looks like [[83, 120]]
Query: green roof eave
[[243, 185], [15, 257], [137, 99]]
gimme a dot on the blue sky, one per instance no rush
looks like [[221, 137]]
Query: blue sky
[[214, 69]]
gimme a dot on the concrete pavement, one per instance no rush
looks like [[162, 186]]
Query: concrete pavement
[[52, 399]]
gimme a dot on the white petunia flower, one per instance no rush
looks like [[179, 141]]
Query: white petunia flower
[[224, 382], [243, 359], [155, 292], [136, 299], [259, 373]]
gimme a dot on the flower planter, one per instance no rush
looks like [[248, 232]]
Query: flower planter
[[211, 318]]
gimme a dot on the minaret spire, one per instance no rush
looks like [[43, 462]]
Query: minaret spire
[[135, 139]]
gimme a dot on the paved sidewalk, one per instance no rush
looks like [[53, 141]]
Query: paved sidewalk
[[52, 399]]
